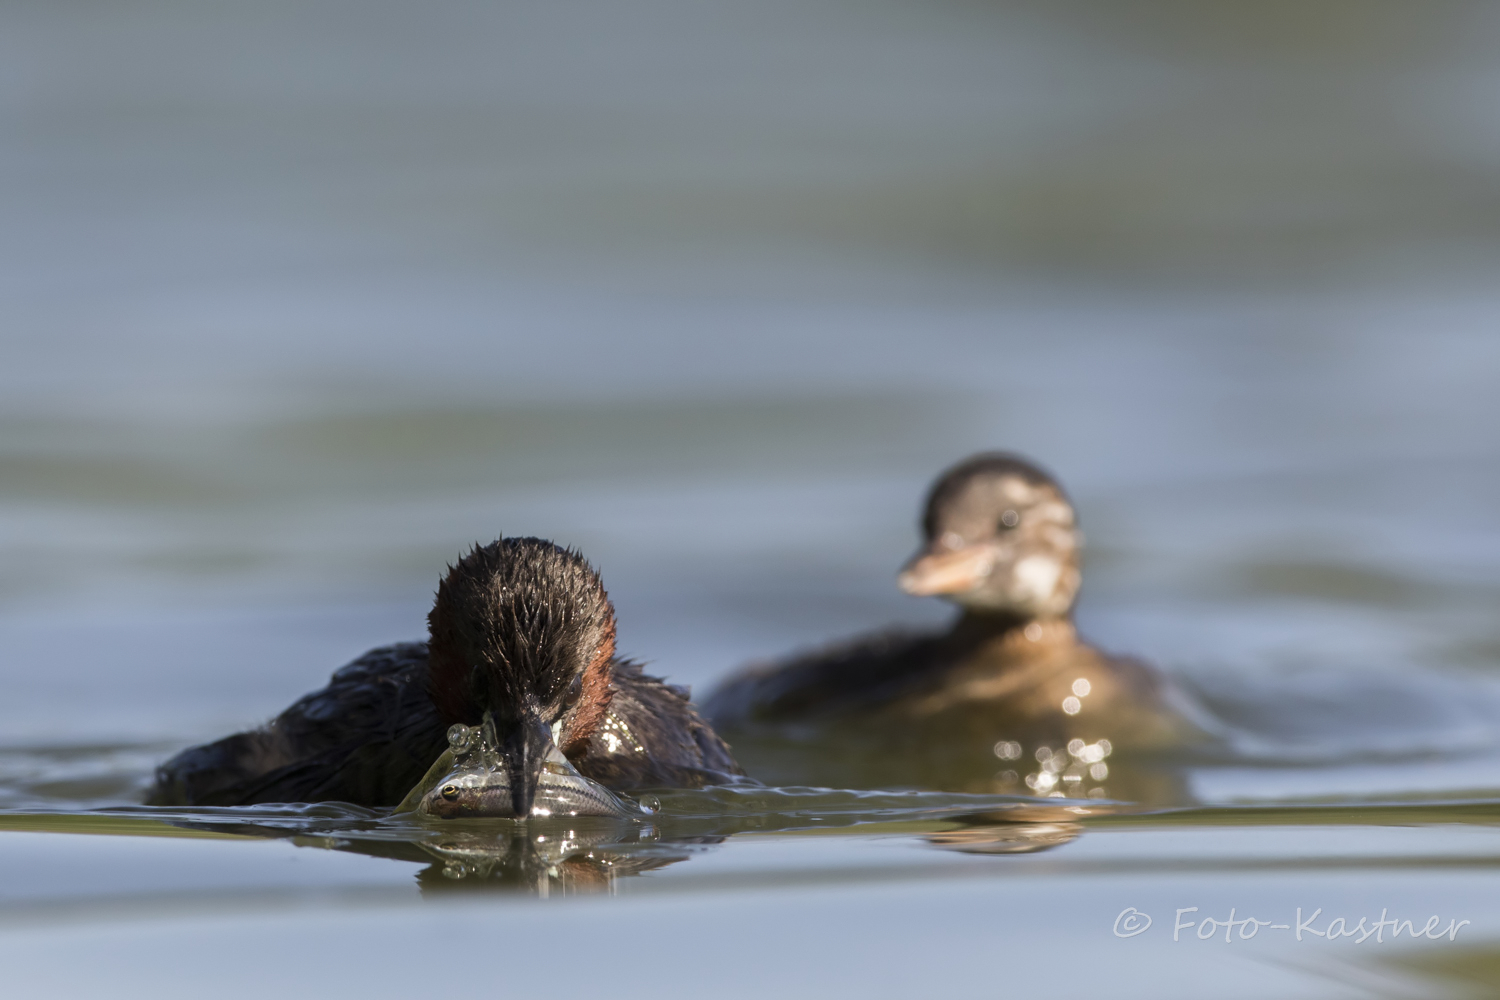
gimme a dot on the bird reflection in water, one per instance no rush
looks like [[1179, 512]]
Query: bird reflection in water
[[1020, 828], [579, 837], [548, 859], [560, 856], [1007, 838], [537, 856]]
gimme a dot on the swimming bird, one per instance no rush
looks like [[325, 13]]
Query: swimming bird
[[522, 641], [1008, 687]]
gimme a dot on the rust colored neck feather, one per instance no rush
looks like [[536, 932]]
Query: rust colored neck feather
[[595, 696]]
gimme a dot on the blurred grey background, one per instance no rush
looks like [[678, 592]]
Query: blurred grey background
[[299, 300]]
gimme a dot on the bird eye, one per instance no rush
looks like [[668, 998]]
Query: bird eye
[[574, 690], [1009, 520], [449, 792]]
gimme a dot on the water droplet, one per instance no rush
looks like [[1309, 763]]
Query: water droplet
[[1008, 750], [1071, 705], [1076, 747], [1043, 753], [1104, 748], [650, 804]]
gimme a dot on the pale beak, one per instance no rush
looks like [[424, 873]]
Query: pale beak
[[947, 571]]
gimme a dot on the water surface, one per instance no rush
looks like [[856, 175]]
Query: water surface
[[300, 302]]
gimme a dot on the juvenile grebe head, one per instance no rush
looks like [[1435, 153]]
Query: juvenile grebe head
[[1001, 538], [523, 629]]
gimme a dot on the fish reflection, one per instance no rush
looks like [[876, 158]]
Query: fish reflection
[[562, 860], [1008, 700], [541, 856], [557, 855]]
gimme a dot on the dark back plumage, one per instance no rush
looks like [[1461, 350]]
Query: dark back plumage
[[521, 629]]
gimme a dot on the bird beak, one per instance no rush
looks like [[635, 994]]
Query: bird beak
[[524, 750], [940, 570]]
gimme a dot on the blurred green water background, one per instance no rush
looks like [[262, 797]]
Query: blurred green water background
[[301, 300]]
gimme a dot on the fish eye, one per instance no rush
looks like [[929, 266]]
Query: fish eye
[[1009, 520], [449, 792]]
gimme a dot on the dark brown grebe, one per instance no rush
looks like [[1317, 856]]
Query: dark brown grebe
[[1007, 688], [521, 631]]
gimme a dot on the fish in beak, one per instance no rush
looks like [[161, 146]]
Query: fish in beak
[[521, 775], [523, 752]]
